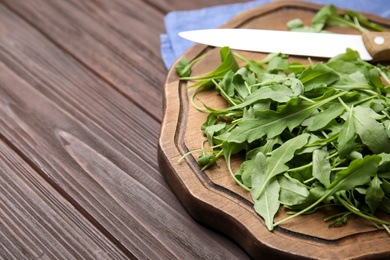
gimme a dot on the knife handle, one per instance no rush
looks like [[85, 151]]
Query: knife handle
[[378, 45]]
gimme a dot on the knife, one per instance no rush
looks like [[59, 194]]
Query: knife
[[370, 45]]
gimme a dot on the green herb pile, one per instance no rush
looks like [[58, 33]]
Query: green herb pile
[[312, 135]]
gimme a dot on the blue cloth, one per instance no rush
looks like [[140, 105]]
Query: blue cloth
[[172, 45]]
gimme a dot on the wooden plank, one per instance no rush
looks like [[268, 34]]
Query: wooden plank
[[213, 197], [37, 222], [113, 39], [95, 147], [169, 5]]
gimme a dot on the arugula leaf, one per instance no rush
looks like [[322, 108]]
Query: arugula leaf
[[324, 15], [346, 139], [292, 191], [318, 75], [272, 123], [358, 173], [268, 204], [228, 64], [183, 67], [278, 159], [321, 167], [372, 133], [323, 118], [230, 149], [362, 20], [211, 130], [374, 194]]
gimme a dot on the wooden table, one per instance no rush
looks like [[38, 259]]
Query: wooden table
[[81, 103]]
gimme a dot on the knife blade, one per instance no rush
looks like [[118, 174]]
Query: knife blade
[[370, 45]]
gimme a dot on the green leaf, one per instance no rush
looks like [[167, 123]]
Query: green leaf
[[245, 172], [230, 149], [352, 81], [206, 159], [321, 167], [346, 138], [374, 194], [323, 16], [349, 56], [323, 118], [273, 123], [318, 75], [339, 222], [211, 130], [364, 21], [372, 133], [295, 24], [375, 78], [279, 157], [183, 67], [359, 172], [268, 204], [228, 64], [386, 187], [291, 191], [278, 63], [278, 93]]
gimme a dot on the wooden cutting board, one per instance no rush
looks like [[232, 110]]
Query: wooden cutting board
[[213, 198]]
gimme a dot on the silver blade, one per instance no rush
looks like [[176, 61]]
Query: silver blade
[[269, 41]]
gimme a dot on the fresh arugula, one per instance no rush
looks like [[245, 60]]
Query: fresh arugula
[[312, 135], [329, 15]]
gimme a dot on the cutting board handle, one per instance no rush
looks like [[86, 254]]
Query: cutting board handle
[[378, 45]]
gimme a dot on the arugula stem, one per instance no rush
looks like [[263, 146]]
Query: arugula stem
[[305, 98], [300, 167], [344, 105], [338, 169], [248, 88], [223, 93], [309, 180], [386, 228], [193, 97], [387, 115], [324, 196], [337, 215], [193, 151], [350, 24], [234, 176], [358, 26], [371, 92], [207, 165], [366, 99], [384, 76], [356, 211], [332, 155]]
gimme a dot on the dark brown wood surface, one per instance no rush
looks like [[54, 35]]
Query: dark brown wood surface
[[214, 198], [81, 105]]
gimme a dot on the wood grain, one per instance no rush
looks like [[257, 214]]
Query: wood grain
[[89, 141], [380, 51], [168, 5], [111, 38], [212, 196], [38, 222]]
